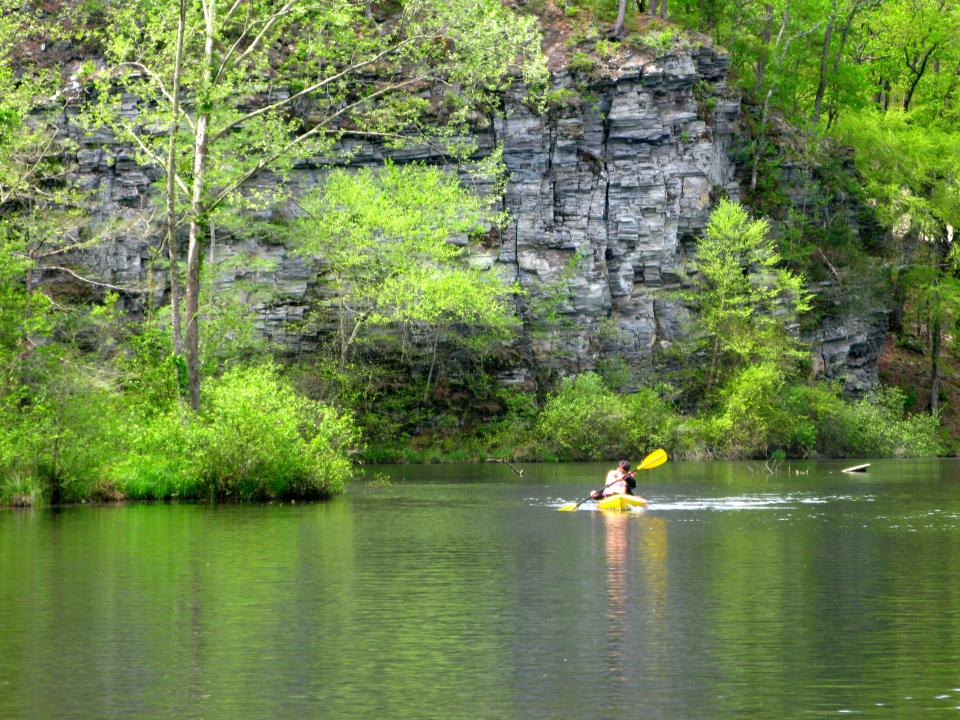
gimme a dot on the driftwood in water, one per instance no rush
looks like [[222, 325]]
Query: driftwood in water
[[504, 462], [856, 468]]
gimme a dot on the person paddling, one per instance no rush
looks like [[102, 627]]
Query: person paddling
[[620, 481]]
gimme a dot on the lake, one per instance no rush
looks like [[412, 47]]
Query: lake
[[460, 592]]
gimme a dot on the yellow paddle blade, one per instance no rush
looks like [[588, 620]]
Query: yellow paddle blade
[[655, 459], [566, 508]]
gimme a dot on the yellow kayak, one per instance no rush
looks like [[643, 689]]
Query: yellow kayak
[[621, 502]]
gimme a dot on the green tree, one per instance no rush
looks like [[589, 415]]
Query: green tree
[[911, 170], [743, 301], [265, 83], [385, 239], [43, 387]]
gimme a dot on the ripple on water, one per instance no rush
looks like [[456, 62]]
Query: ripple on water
[[749, 502], [731, 503]]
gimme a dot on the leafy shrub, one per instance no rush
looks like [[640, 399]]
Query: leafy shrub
[[583, 63], [604, 48], [58, 442], [758, 414], [651, 422], [161, 463], [615, 372], [255, 439], [877, 426], [258, 439], [148, 368], [560, 98], [20, 490], [585, 420]]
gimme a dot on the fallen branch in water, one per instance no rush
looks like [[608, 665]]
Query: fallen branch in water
[[504, 462]]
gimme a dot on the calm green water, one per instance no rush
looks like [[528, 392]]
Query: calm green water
[[460, 592]]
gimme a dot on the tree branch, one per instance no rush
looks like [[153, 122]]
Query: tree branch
[[306, 91], [315, 130], [270, 22], [157, 79], [236, 4], [89, 281], [153, 156]]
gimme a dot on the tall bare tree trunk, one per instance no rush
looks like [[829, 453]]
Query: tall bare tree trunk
[[192, 335], [171, 187], [822, 84], [765, 36], [935, 342], [759, 144], [621, 16], [918, 73]]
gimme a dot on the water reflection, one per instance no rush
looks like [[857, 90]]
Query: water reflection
[[733, 597], [636, 595], [654, 556], [616, 525]]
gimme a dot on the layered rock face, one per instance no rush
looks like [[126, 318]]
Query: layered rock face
[[606, 196]]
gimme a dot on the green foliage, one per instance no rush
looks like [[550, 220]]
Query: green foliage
[[22, 313], [148, 370], [879, 76], [743, 300], [162, 463], [605, 49], [560, 98], [213, 141], [385, 239], [660, 41], [258, 439], [591, 11], [758, 413], [324, 51], [583, 64], [230, 293], [255, 440], [585, 420], [89, 408], [615, 373], [70, 428], [761, 414], [875, 426], [911, 168]]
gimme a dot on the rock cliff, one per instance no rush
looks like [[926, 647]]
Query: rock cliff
[[607, 193]]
